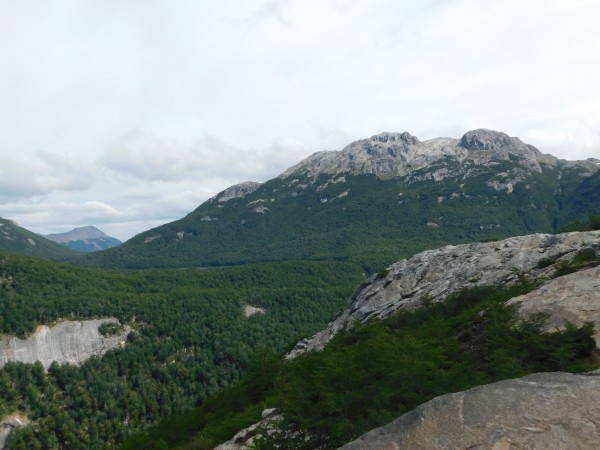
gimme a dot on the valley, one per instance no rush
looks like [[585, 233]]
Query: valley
[[345, 292]]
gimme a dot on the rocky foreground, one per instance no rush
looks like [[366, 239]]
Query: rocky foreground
[[541, 411]]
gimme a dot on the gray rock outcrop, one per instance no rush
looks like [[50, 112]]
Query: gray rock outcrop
[[237, 191], [574, 298], [8, 423], [66, 342], [435, 274], [388, 155], [542, 411]]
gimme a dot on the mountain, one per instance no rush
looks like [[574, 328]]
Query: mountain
[[84, 239], [67, 342], [374, 202], [15, 239]]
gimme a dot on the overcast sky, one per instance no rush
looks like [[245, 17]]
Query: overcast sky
[[126, 114]]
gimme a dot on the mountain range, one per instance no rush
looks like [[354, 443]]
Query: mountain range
[[374, 202], [84, 239], [422, 324], [56, 247]]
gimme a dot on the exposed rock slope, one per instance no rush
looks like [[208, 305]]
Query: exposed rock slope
[[574, 298], [239, 190], [540, 411], [66, 342], [438, 273], [397, 154], [374, 202]]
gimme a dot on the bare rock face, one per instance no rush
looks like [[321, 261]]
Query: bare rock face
[[237, 191], [435, 274], [574, 298], [500, 146], [66, 342], [8, 423], [250, 310], [388, 155], [556, 411]]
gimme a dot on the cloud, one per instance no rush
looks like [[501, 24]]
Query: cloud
[[143, 156], [574, 143], [271, 9], [44, 172], [140, 179], [214, 93]]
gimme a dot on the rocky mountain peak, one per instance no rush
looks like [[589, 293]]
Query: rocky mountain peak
[[494, 145], [389, 155], [236, 191], [79, 233], [483, 139]]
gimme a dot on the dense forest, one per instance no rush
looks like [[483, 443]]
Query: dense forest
[[196, 369], [374, 372], [370, 221], [191, 339]]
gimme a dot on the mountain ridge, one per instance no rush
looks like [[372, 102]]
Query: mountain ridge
[[373, 202], [396, 154], [16, 239]]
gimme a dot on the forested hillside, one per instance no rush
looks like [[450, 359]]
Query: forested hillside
[[191, 339], [376, 201], [292, 250], [16, 239], [376, 371]]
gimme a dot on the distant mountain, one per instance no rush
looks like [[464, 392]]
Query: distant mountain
[[376, 201], [85, 239], [15, 239]]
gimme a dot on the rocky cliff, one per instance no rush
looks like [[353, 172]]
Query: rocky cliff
[[574, 298], [398, 154], [540, 411], [435, 274], [65, 342]]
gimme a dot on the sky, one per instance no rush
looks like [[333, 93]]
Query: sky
[[127, 114]]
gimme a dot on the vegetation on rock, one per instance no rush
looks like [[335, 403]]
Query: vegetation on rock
[[376, 371], [370, 221]]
